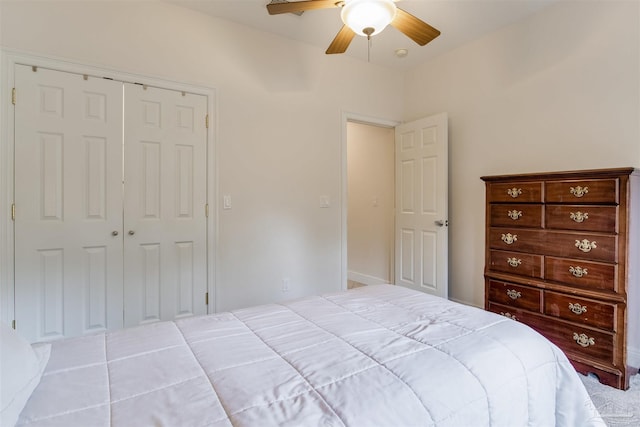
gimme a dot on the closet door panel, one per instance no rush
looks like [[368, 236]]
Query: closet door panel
[[68, 196], [165, 197]]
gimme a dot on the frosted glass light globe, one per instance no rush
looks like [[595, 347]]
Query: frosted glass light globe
[[360, 15]]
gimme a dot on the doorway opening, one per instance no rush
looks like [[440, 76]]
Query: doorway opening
[[370, 226], [420, 216]]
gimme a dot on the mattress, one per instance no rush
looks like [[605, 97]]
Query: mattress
[[373, 356]]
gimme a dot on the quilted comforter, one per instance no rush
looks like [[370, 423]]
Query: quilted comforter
[[374, 356]]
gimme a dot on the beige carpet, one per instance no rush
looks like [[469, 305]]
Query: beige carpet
[[617, 408], [353, 284]]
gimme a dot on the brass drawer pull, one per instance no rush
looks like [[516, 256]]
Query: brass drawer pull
[[513, 294], [585, 246], [514, 214], [583, 340], [514, 262], [509, 238], [579, 191], [578, 271], [577, 308], [579, 216], [514, 192], [509, 315]]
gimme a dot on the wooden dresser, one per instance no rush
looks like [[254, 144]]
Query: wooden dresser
[[562, 256]]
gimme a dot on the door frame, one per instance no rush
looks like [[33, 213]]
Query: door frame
[[9, 58], [348, 116]]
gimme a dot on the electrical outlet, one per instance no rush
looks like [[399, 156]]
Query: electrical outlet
[[285, 284]]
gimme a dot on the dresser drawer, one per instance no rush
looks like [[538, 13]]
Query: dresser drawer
[[587, 191], [516, 215], [581, 273], [580, 310], [511, 312], [581, 217], [514, 295], [582, 245], [518, 240], [517, 192], [516, 263], [578, 341]]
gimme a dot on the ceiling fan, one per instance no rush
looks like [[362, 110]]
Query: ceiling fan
[[363, 17]]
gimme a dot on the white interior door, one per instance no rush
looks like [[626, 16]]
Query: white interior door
[[165, 196], [421, 205], [68, 197]]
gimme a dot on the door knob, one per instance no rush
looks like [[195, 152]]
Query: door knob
[[114, 233], [131, 232], [441, 223]]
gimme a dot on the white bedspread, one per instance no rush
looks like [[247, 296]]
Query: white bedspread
[[374, 356]]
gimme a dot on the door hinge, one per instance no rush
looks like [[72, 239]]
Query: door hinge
[[13, 211], [206, 210], [206, 121], [13, 324], [13, 96], [206, 298]]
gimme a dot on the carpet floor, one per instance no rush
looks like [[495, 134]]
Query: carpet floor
[[617, 407]]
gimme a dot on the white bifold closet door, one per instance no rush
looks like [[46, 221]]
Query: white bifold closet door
[[165, 196], [110, 195], [68, 197]]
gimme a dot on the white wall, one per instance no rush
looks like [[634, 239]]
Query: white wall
[[557, 91], [280, 106], [371, 189]]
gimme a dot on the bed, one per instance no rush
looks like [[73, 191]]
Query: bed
[[373, 356]]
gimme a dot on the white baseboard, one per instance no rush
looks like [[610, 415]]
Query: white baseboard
[[366, 279]]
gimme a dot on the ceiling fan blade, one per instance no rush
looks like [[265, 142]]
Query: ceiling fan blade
[[342, 40], [300, 6], [414, 28]]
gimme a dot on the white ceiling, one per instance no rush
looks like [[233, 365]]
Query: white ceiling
[[460, 22]]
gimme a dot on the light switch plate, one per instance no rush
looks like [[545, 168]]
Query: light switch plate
[[325, 202], [226, 201]]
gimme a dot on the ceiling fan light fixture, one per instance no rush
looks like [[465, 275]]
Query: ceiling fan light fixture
[[368, 17]]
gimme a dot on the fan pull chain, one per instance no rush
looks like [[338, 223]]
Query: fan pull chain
[[368, 31]]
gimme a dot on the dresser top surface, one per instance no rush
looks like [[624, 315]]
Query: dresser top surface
[[578, 174]]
